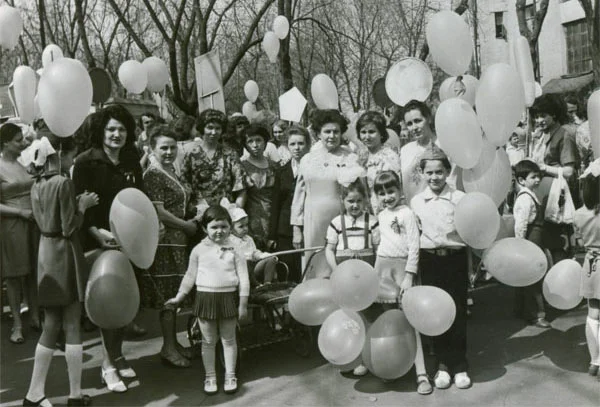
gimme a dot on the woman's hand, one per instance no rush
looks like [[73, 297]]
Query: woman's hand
[[86, 200], [407, 283], [297, 239], [190, 228], [26, 214]]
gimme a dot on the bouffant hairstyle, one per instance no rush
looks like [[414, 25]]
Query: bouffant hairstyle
[[297, 130], [376, 118], [553, 105], [8, 131], [386, 180], [321, 117], [525, 167], [99, 123], [255, 130], [590, 187], [421, 107], [213, 213], [161, 130], [211, 116]]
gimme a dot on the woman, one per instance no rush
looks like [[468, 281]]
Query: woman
[[298, 144], [19, 253], [111, 165], [170, 196], [371, 131], [145, 121], [260, 179], [232, 138], [211, 169], [279, 138], [317, 195]]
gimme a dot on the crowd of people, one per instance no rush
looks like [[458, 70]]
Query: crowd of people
[[229, 192]]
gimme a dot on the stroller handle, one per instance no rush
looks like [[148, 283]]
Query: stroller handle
[[303, 250]]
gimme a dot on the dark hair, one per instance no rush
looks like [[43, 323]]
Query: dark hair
[[160, 130], [116, 112], [211, 116], [590, 188], [147, 114], [421, 107], [553, 105], [8, 131], [386, 180], [213, 213], [255, 130], [356, 186], [445, 162], [297, 130], [323, 116], [183, 126], [525, 167], [376, 118]]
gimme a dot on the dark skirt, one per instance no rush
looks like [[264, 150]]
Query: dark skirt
[[214, 306]]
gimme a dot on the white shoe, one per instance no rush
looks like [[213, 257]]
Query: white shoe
[[442, 379], [462, 380], [210, 385], [230, 385], [113, 381], [360, 370]]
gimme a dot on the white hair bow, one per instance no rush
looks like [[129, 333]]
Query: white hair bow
[[37, 153], [593, 168], [235, 212]]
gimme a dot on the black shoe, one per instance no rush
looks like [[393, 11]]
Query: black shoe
[[85, 400], [27, 402]]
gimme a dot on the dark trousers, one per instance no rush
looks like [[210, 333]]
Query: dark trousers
[[529, 302], [451, 275]]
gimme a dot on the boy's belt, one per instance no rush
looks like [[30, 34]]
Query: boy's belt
[[444, 251]]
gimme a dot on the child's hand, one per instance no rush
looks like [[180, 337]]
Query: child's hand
[[407, 283], [87, 200], [175, 301], [242, 312]]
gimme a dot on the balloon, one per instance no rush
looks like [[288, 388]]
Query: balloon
[[324, 92], [311, 302], [391, 346], [430, 310], [593, 111], [355, 284], [249, 110], [452, 88], [134, 223], [342, 337], [561, 284], [112, 296], [270, 45], [507, 227], [101, 84], [251, 90], [380, 96], [51, 53], [281, 27], [408, 79], [500, 102], [11, 25], [477, 220], [158, 74], [449, 40], [525, 68], [538, 90], [492, 175], [133, 76], [37, 114], [459, 132], [24, 82], [515, 262], [65, 87]]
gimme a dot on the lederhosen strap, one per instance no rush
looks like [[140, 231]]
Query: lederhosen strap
[[365, 232]]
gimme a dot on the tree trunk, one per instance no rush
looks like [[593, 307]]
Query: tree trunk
[[532, 35], [41, 14], [284, 8], [79, 16]]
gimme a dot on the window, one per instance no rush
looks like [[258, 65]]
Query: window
[[579, 51], [499, 22]]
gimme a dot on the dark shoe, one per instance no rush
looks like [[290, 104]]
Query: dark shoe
[[424, 387], [187, 353], [175, 360], [542, 323], [27, 402], [85, 400], [593, 370]]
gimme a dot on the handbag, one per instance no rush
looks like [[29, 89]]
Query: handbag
[[560, 208]]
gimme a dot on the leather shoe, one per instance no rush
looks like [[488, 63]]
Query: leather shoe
[[542, 323], [593, 370], [84, 400]]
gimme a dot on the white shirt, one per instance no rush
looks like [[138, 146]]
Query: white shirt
[[515, 154], [399, 233], [248, 247], [524, 211]]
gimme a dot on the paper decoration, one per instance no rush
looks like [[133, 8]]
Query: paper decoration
[[291, 105]]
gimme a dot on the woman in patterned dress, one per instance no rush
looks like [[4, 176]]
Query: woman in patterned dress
[[170, 196]]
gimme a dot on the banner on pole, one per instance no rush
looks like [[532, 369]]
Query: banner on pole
[[209, 81]]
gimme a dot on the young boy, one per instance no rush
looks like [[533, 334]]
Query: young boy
[[514, 151], [529, 223]]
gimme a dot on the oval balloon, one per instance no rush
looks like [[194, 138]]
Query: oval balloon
[[477, 220], [408, 79], [380, 95], [158, 74], [36, 108], [112, 296], [500, 102], [492, 175], [593, 111], [270, 44], [133, 76], [11, 26], [134, 223], [391, 346], [324, 92], [342, 337], [515, 262], [458, 132], [430, 310], [25, 82], [466, 89], [51, 53], [561, 284], [251, 90], [101, 85], [311, 301], [281, 27], [249, 110], [538, 90], [525, 68], [449, 40], [355, 284], [65, 86]]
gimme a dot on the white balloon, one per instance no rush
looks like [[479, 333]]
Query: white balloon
[[525, 68], [133, 76], [450, 43], [561, 284], [11, 26], [593, 111], [51, 53], [467, 91], [538, 90], [281, 27], [270, 45], [492, 175], [249, 110], [65, 96], [158, 74], [37, 114], [24, 82], [324, 92], [408, 79], [251, 90]]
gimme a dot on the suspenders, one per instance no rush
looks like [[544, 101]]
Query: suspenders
[[365, 231]]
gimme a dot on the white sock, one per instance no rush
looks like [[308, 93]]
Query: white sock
[[591, 334], [41, 365], [208, 359], [74, 357], [230, 355]]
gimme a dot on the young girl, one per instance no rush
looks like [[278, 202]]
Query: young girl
[[397, 256], [62, 272], [218, 269], [443, 263], [587, 227]]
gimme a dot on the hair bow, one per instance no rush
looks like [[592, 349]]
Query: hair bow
[[593, 168], [235, 212], [350, 173], [37, 153]]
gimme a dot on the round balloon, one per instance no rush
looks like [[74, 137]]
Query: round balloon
[[465, 89], [459, 132], [101, 84], [311, 301], [355, 284], [477, 220], [492, 175], [158, 74], [430, 310], [251, 90], [324, 92], [561, 284], [24, 84], [65, 86], [342, 337], [270, 45], [516, 262], [281, 27], [249, 110], [380, 95], [11, 26], [134, 223], [112, 297], [408, 79], [525, 68], [133, 76], [51, 53], [449, 40], [593, 111]]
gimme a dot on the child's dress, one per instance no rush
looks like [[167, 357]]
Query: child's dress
[[587, 226], [357, 237]]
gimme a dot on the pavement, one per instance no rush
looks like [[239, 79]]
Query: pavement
[[511, 364]]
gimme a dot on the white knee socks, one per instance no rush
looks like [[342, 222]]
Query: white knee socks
[[230, 353], [74, 357], [208, 358], [41, 365], [592, 326]]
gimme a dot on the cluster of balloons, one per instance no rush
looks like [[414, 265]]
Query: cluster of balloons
[[593, 111], [11, 26], [270, 43], [151, 74]]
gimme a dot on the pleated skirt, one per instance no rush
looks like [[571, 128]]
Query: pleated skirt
[[214, 306]]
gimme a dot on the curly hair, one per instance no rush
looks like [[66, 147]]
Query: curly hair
[[375, 118], [161, 130], [321, 117], [255, 130], [553, 105], [8, 131], [211, 116], [118, 113]]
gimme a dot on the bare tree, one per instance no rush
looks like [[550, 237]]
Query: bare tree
[[532, 34], [592, 17]]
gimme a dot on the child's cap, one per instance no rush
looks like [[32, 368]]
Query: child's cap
[[434, 153], [235, 212]]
